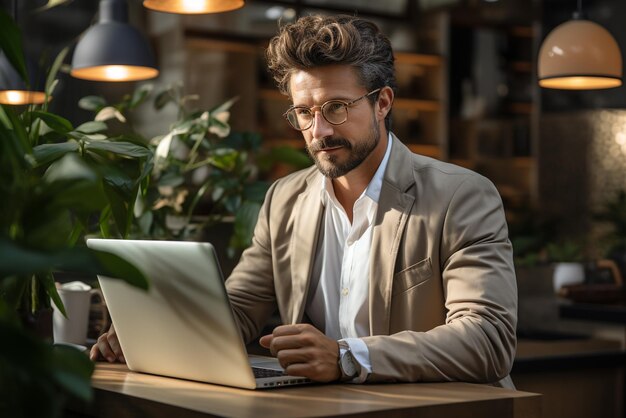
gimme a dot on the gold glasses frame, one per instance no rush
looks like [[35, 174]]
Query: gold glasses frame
[[292, 113]]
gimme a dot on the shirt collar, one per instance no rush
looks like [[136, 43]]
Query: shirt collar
[[373, 188]]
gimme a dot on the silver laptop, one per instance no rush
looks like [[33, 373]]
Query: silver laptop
[[183, 326]]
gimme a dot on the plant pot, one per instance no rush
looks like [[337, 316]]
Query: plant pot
[[567, 273]]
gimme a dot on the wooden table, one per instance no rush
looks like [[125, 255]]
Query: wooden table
[[121, 393]]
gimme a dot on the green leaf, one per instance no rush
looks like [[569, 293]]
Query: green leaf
[[47, 153], [51, 81], [245, 221], [19, 130], [12, 287], [255, 191], [51, 4], [55, 122], [224, 158], [70, 167], [119, 180], [4, 118], [291, 156], [72, 370], [92, 127], [224, 106], [47, 281], [119, 209], [16, 260], [116, 267], [163, 99], [140, 94], [120, 148], [51, 225], [110, 112], [171, 179], [11, 44], [92, 103]]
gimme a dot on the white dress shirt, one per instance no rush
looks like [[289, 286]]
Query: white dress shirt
[[338, 300]]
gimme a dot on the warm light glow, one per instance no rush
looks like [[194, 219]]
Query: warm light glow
[[22, 97], [193, 6], [579, 55], [115, 73], [580, 83]]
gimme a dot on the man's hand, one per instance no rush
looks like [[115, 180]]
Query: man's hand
[[303, 350], [108, 347]]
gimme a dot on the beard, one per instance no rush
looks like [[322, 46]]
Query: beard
[[330, 166]]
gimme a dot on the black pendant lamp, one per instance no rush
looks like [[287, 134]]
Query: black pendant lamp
[[113, 50], [13, 89]]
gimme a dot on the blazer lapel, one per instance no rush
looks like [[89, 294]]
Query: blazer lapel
[[307, 217], [394, 207]]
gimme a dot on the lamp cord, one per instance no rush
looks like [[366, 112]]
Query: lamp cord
[[579, 14], [14, 4]]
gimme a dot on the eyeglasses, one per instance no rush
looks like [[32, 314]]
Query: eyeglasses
[[335, 112]]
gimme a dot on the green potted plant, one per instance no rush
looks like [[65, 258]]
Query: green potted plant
[[57, 181], [567, 256], [204, 175], [614, 214]]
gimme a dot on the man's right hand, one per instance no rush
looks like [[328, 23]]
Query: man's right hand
[[107, 347]]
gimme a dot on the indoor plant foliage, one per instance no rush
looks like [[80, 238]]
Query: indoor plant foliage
[[203, 174], [58, 181], [614, 214]]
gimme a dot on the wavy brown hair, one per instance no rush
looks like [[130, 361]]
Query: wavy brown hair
[[315, 41]]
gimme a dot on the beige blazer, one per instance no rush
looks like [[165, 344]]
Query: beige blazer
[[442, 296]]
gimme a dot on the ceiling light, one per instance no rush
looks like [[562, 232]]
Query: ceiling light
[[579, 55], [193, 6], [113, 50], [13, 89]]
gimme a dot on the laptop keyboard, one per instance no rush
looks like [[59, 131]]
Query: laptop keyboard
[[261, 372]]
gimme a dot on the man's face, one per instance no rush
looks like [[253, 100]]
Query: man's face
[[336, 149]]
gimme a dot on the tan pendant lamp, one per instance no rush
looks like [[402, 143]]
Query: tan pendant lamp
[[193, 6], [579, 55]]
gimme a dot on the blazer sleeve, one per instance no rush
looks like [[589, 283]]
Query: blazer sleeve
[[477, 342]]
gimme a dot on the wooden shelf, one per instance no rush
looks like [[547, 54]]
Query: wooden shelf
[[521, 66], [520, 108], [522, 31], [415, 104], [425, 149], [272, 94], [418, 59]]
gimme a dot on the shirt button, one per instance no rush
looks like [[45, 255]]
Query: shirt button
[[344, 291]]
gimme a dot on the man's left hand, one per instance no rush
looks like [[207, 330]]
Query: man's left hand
[[303, 350]]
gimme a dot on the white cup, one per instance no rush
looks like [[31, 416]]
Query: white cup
[[76, 297]]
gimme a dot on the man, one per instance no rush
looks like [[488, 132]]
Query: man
[[383, 265]]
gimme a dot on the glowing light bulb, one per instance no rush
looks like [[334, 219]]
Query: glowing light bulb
[[116, 72], [194, 6]]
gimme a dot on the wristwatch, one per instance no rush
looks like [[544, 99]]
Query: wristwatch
[[348, 366]]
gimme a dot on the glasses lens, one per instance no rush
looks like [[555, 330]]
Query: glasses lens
[[335, 112], [300, 118]]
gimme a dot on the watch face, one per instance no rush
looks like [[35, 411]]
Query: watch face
[[347, 364]]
